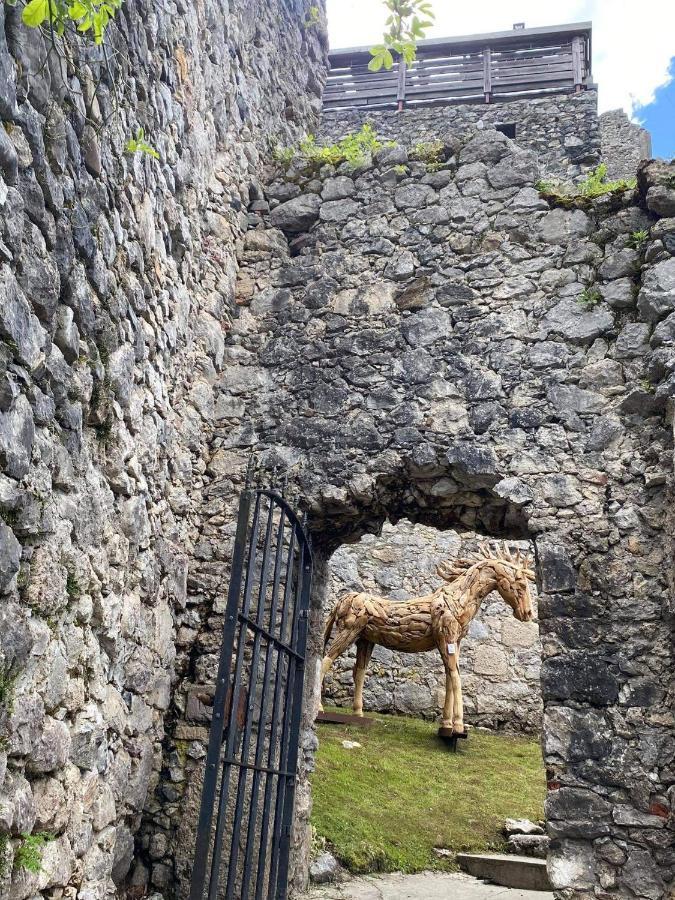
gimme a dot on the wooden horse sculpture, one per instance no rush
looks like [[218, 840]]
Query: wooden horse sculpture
[[440, 620]]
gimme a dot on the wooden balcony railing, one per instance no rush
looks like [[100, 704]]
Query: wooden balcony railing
[[476, 69]]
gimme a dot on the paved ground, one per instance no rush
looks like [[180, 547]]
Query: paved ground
[[425, 886]]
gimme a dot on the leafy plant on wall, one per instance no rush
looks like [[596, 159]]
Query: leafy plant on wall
[[61, 22], [406, 24]]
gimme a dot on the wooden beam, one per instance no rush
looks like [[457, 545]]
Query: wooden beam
[[400, 88], [578, 62], [487, 74]]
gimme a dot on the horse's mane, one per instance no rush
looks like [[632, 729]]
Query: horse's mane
[[519, 561]]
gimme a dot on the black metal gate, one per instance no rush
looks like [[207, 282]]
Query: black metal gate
[[243, 838]]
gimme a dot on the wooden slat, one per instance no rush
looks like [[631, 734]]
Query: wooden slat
[[466, 70]]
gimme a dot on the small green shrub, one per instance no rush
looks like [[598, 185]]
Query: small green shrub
[[313, 19], [580, 195], [353, 149], [637, 239], [401, 170], [29, 853], [590, 297], [428, 151], [140, 145]]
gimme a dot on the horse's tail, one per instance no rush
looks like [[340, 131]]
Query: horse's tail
[[329, 626]]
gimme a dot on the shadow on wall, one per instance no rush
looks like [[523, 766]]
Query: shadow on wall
[[501, 657]]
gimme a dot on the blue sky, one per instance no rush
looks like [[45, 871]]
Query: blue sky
[[633, 45], [659, 118]]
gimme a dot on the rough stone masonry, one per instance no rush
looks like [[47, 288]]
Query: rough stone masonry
[[116, 294], [443, 346], [409, 343]]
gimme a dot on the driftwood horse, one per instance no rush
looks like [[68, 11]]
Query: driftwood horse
[[440, 620]]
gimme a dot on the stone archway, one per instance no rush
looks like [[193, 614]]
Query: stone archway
[[420, 347]]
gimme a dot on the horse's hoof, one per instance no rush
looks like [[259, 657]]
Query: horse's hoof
[[446, 723], [458, 729]]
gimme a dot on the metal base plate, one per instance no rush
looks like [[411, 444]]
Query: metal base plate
[[450, 737]]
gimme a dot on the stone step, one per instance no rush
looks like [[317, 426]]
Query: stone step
[[522, 872]]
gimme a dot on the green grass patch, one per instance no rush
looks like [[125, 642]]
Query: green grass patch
[[385, 806]]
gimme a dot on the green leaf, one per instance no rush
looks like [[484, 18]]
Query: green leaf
[[77, 10], [409, 54], [388, 59], [35, 13], [376, 64]]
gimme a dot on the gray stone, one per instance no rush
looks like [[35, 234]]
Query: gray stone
[[566, 398], [661, 200], [535, 845], [619, 264], [657, 296], [515, 170], [620, 294], [562, 225], [485, 146], [297, 214], [426, 327], [324, 868], [17, 433], [576, 323], [338, 210], [67, 336], [402, 266], [521, 826], [633, 339], [338, 188], [10, 557], [415, 196], [17, 323]]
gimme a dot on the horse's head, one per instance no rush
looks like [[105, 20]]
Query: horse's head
[[513, 585], [512, 573]]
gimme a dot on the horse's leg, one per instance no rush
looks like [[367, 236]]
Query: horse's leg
[[364, 650], [458, 706], [449, 664], [341, 642]]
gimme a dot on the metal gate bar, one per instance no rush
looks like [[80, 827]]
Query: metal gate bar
[[265, 630]]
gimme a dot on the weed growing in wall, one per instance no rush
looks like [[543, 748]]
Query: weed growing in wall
[[580, 195], [353, 149], [637, 239], [590, 297], [29, 852]]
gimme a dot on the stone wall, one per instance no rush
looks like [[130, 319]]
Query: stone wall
[[501, 657], [420, 345], [563, 129], [116, 295], [623, 144]]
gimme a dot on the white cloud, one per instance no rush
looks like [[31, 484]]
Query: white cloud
[[633, 43]]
